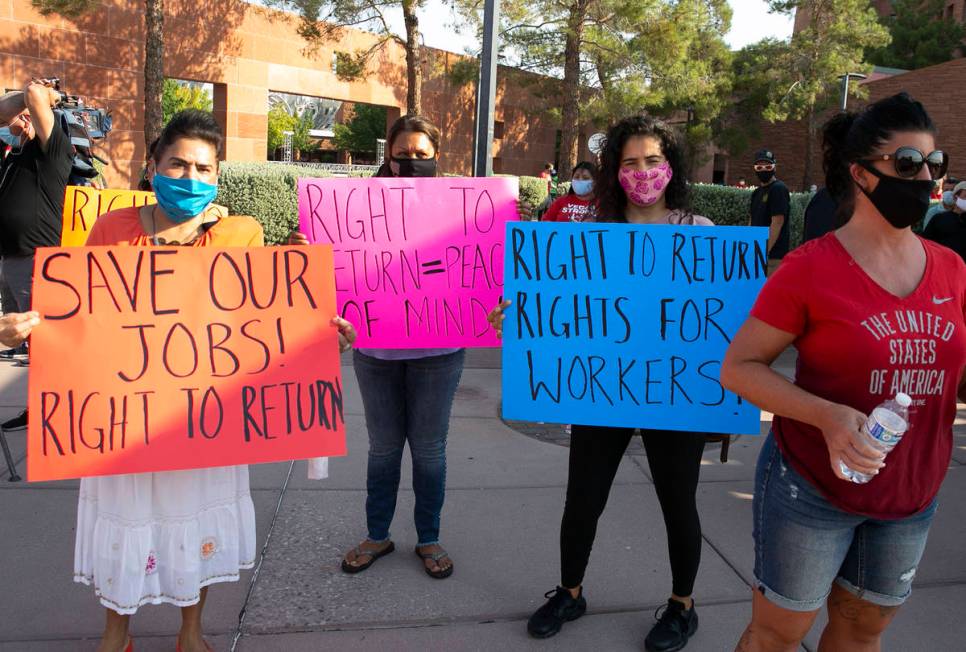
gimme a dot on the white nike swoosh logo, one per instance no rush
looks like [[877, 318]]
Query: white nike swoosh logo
[[939, 301]]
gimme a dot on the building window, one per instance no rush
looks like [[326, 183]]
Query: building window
[[497, 129]]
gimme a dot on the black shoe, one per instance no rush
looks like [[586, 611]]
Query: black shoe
[[559, 609], [673, 629], [15, 352]]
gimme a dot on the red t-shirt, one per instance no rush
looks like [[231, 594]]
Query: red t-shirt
[[859, 345], [569, 208]]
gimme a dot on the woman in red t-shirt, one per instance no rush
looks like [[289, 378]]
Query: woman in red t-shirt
[[576, 205], [873, 310]]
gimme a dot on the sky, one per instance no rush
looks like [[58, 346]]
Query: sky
[[750, 22]]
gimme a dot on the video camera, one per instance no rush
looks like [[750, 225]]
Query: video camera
[[83, 124]]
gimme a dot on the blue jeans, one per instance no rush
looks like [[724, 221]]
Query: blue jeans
[[407, 400], [804, 543]]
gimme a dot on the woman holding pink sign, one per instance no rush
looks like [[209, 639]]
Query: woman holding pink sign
[[407, 395], [641, 181]]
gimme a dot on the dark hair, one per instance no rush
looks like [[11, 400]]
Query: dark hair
[[611, 198], [850, 137], [143, 183], [189, 123], [412, 124], [583, 165]]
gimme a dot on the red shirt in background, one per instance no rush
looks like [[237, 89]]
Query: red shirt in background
[[569, 208], [859, 345]]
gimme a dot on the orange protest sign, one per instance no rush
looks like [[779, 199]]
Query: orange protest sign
[[83, 205], [163, 358]]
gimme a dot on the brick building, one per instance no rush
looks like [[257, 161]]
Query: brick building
[[940, 88], [247, 51], [953, 10]]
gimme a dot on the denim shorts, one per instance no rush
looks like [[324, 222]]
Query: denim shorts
[[803, 543]]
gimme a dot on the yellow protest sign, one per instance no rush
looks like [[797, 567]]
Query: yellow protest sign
[[83, 205]]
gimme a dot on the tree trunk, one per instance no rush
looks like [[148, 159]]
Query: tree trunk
[[570, 127], [414, 69], [810, 132], [153, 69]]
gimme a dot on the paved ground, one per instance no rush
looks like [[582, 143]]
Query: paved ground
[[501, 525]]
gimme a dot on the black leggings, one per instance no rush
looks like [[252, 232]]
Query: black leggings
[[675, 461]]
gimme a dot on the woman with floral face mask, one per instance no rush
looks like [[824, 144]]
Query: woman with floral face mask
[[641, 181], [151, 538], [577, 204]]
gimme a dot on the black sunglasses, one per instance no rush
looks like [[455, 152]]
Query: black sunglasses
[[909, 160]]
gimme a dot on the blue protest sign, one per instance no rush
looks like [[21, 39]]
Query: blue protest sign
[[626, 325]]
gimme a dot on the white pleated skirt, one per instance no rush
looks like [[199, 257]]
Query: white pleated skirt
[[152, 538]]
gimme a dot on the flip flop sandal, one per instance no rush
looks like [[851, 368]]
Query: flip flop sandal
[[372, 554], [435, 556]]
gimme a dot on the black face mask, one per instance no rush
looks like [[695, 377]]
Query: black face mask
[[765, 176], [902, 202], [416, 167]]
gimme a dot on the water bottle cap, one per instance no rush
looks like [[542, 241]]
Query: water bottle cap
[[903, 399]]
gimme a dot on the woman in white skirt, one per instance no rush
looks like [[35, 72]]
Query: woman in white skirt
[[152, 538]]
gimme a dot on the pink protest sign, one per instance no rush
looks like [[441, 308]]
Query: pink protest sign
[[418, 261]]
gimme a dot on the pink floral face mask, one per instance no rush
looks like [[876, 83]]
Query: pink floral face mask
[[645, 187]]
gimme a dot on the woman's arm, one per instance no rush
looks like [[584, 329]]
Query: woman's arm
[[747, 371], [15, 327]]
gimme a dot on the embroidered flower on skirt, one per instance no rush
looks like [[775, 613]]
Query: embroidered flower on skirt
[[151, 567], [209, 546]]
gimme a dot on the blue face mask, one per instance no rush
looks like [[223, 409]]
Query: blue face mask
[[9, 138], [182, 199], [582, 186]]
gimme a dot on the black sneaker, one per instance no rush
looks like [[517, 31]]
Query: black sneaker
[[673, 629], [559, 609]]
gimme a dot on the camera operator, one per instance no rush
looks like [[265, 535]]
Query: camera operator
[[33, 180]]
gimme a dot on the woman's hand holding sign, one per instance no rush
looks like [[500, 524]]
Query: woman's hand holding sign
[[15, 328], [297, 238], [347, 333], [496, 317]]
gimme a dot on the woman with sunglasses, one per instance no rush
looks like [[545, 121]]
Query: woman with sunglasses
[[873, 310]]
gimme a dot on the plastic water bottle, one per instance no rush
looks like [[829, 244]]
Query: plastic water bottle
[[885, 428]]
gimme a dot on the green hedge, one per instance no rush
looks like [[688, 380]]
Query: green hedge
[[728, 206], [267, 192]]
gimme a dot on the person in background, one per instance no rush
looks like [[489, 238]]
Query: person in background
[[949, 228], [945, 204], [33, 181], [845, 302], [770, 206], [820, 215], [741, 183], [577, 204], [642, 180]]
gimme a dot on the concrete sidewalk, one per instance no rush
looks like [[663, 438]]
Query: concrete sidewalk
[[501, 525]]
